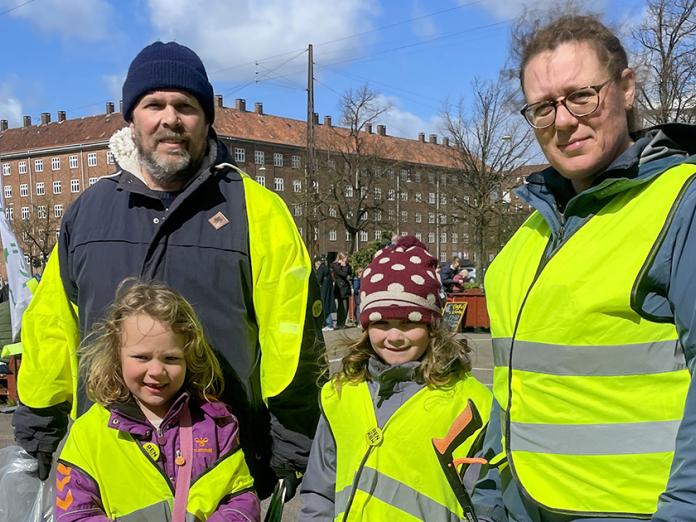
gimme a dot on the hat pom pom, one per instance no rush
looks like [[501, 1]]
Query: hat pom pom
[[409, 241]]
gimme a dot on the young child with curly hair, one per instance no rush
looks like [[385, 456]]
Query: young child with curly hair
[[403, 412], [156, 445]]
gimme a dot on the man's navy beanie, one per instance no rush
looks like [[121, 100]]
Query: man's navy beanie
[[167, 66]]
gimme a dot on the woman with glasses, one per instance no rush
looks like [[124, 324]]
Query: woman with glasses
[[593, 301]]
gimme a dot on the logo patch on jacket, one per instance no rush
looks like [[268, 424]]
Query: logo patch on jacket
[[218, 221], [201, 442]]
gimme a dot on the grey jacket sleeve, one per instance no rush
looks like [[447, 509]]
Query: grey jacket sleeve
[[319, 483], [672, 275], [488, 496]]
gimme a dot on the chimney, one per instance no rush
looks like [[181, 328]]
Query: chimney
[[61, 116], [433, 139], [218, 101], [445, 141], [258, 108], [45, 118], [421, 137], [368, 128], [382, 130], [109, 107], [3, 125], [240, 104], [27, 121], [315, 118], [120, 106], [327, 121]]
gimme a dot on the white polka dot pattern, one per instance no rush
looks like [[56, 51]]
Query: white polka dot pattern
[[398, 267], [415, 316], [376, 278], [415, 260], [395, 288], [375, 316], [383, 260], [419, 280]]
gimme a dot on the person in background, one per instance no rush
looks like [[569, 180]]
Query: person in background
[[326, 284], [154, 380], [448, 273], [402, 407], [343, 286], [591, 302], [177, 210], [356, 294]]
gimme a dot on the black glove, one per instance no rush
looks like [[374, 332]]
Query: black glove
[[291, 479], [44, 460]]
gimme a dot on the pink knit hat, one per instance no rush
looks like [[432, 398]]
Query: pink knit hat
[[400, 283]]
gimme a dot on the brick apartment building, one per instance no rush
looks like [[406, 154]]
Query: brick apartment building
[[47, 165]]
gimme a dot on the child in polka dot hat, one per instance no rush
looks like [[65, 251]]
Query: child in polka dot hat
[[402, 406]]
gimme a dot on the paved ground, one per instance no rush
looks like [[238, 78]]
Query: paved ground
[[481, 358]]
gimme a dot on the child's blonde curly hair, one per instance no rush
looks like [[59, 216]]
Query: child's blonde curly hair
[[444, 361], [100, 353]]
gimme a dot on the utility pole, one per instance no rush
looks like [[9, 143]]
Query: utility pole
[[310, 164]]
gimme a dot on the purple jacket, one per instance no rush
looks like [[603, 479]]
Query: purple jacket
[[213, 425]]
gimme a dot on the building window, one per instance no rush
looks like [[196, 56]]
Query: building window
[[332, 235], [431, 198], [278, 184], [261, 180], [347, 237], [419, 197], [404, 175], [56, 187], [378, 215], [73, 161], [297, 210], [74, 185], [109, 157], [378, 193], [443, 257], [22, 167], [239, 155], [443, 199], [259, 158], [378, 235], [24, 190], [390, 214], [391, 195], [40, 188], [55, 163], [9, 213], [443, 219], [417, 177], [443, 179], [431, 237], [431, 217], [404, 196], [8, 191], [296, 185], [58, 210], [6, 169], [418, 217], [91, 181], [38, 165], [25, 213], [419, 236], [332, 212], [404, 216], [431, 178], [363, 236], [92, 159], [443, 237], [455, 238], [295, 162], [349, 191], [277, 159], [41, 211]]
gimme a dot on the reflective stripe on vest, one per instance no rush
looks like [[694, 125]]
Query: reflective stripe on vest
[[399, 477], [116, 462], [593, 393]]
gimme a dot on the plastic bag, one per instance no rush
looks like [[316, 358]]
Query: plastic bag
[[23, 497]]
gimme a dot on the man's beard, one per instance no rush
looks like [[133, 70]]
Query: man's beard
[[165, 168]]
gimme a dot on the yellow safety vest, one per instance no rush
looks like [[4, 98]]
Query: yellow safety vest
[[393, 473], [117, 463], [592, 392], [280, 267]]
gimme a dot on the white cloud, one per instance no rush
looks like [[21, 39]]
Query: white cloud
[[228, 34], [10, 106], [405, 124], [423, 26], [69, 18], [114, 83], [507, 9]]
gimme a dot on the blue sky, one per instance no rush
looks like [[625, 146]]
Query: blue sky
[[73, 55]]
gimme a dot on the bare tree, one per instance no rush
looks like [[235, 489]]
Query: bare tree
[[666, 62], [355, 162], [489, 142], [37, 232]]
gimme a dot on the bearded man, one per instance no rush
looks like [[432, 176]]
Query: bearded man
[[179, 211]]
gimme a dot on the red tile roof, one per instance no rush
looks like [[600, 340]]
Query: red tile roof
[[232, 123]]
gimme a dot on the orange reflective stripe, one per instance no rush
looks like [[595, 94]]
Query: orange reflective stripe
[[63, 469], [60, 483], [65, 503]]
